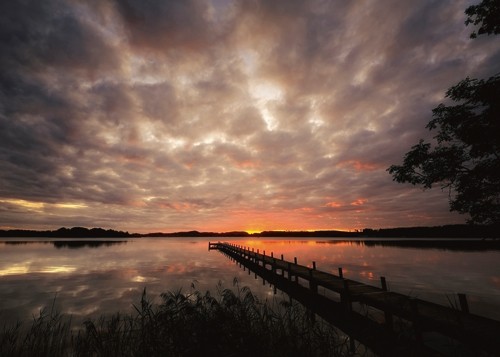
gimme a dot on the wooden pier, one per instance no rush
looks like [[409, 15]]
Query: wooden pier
[[405, 326]]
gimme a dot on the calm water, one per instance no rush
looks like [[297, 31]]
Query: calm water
[[94, 277]]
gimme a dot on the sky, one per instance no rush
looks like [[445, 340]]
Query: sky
[[223, 115]]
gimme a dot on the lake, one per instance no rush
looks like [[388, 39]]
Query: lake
[[101, 276]]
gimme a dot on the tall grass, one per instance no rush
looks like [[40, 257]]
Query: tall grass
[[49, 335], [232, 322]]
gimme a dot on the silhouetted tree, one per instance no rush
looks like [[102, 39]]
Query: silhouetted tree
[[487, 15], [466, 156]]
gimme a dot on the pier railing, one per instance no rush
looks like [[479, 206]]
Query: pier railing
[[405, 325]]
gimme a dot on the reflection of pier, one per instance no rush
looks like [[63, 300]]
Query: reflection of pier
[[405, 325]]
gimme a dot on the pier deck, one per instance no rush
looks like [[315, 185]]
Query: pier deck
[[465, 331]]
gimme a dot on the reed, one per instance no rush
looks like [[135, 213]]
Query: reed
[[231, 322], [49, 335]]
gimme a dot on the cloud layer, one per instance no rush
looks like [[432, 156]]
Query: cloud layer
[[224, 115]]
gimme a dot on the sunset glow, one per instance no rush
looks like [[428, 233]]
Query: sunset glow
[[224, 115]]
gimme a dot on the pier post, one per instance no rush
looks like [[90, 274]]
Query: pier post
[[312, 284], [464, 306], [345, 297], [341, 274], [383, 283], [289, 271], [314, 265], [387, 315], [295, 260]]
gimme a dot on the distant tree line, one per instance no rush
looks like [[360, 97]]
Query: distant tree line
[[75, 232], [322, 233], [282, 234], [447, 231], [197, 234]]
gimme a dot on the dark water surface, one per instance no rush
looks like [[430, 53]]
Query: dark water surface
[[93, 277]]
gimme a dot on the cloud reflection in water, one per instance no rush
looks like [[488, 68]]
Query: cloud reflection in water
[[106, 277]]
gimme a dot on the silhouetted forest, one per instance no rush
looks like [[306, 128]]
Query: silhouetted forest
[[75, 232], [447, 231], [71, 244], [464, 245], [197, 234]]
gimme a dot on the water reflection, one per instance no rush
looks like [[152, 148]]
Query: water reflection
[[72, 244], [109, 276]]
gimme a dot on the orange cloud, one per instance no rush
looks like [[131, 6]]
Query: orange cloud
[[359, 165], [304, 209], [247, 164], [359, 202]]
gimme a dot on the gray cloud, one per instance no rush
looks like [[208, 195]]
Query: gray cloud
[[216, 115], [166, 25]]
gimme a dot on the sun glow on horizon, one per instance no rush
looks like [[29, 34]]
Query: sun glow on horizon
[[257, 231], [252, 231]]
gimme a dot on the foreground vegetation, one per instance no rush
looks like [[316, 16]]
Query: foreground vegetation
[[231, 323]]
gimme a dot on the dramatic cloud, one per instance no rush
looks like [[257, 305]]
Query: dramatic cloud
[[224, 115]]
